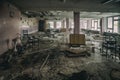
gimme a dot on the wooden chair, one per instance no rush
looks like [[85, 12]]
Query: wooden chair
[[25, 33], [77, 39]]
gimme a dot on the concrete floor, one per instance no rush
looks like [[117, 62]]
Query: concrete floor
[[95, 65], [58, 66]]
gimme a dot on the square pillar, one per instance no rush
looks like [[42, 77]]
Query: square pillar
[[76, 22], [103, 24], [55, 24], [89, 24], [67, 23], [63, 23], [119, 26], [101, 27]]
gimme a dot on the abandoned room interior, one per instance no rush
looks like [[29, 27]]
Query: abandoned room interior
[[59, 39]]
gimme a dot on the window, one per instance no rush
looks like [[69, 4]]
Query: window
[[96, 24], [83, 24], [115, 28], [98, 27], [116, 18], [116, 24], [51, 24], [110, 23], [58, 24], [72, 24], [93, 24]]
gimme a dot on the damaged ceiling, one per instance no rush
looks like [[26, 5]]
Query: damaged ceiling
[[58, 9]]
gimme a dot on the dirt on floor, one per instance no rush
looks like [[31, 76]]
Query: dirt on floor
[[48, 62]]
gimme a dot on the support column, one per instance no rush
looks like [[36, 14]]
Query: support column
[[89, 24], [55, 24], [70, 23], [67, 23], [63, 23], [119, 27], [76, 22], [66, 34], [101, 27], [103, 24], [42, 25]]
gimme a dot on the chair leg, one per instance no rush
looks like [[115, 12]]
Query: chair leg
[[119, 55], [102, 50], [115, 55], [106, 52]]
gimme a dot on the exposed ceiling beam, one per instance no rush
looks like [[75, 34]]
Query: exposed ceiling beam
[[117, 0], [64, 1], [107, 1], [109, 9]]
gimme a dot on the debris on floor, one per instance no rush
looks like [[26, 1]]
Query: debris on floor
[[51, 61], [83, 75], [115, 74]]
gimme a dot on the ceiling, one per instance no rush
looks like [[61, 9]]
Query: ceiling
[[58, 9]]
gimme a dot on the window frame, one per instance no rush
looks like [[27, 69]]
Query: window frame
[[108, 29]]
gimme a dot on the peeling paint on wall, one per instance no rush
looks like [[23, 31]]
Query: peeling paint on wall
[[10, 26]]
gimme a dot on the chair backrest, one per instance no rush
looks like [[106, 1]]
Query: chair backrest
[[77, 39], [118, 39], [25, 33]]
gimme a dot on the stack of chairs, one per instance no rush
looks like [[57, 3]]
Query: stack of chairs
[[118, 46], [25, 33], [35, 41], [109, 46], [32, 41]]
